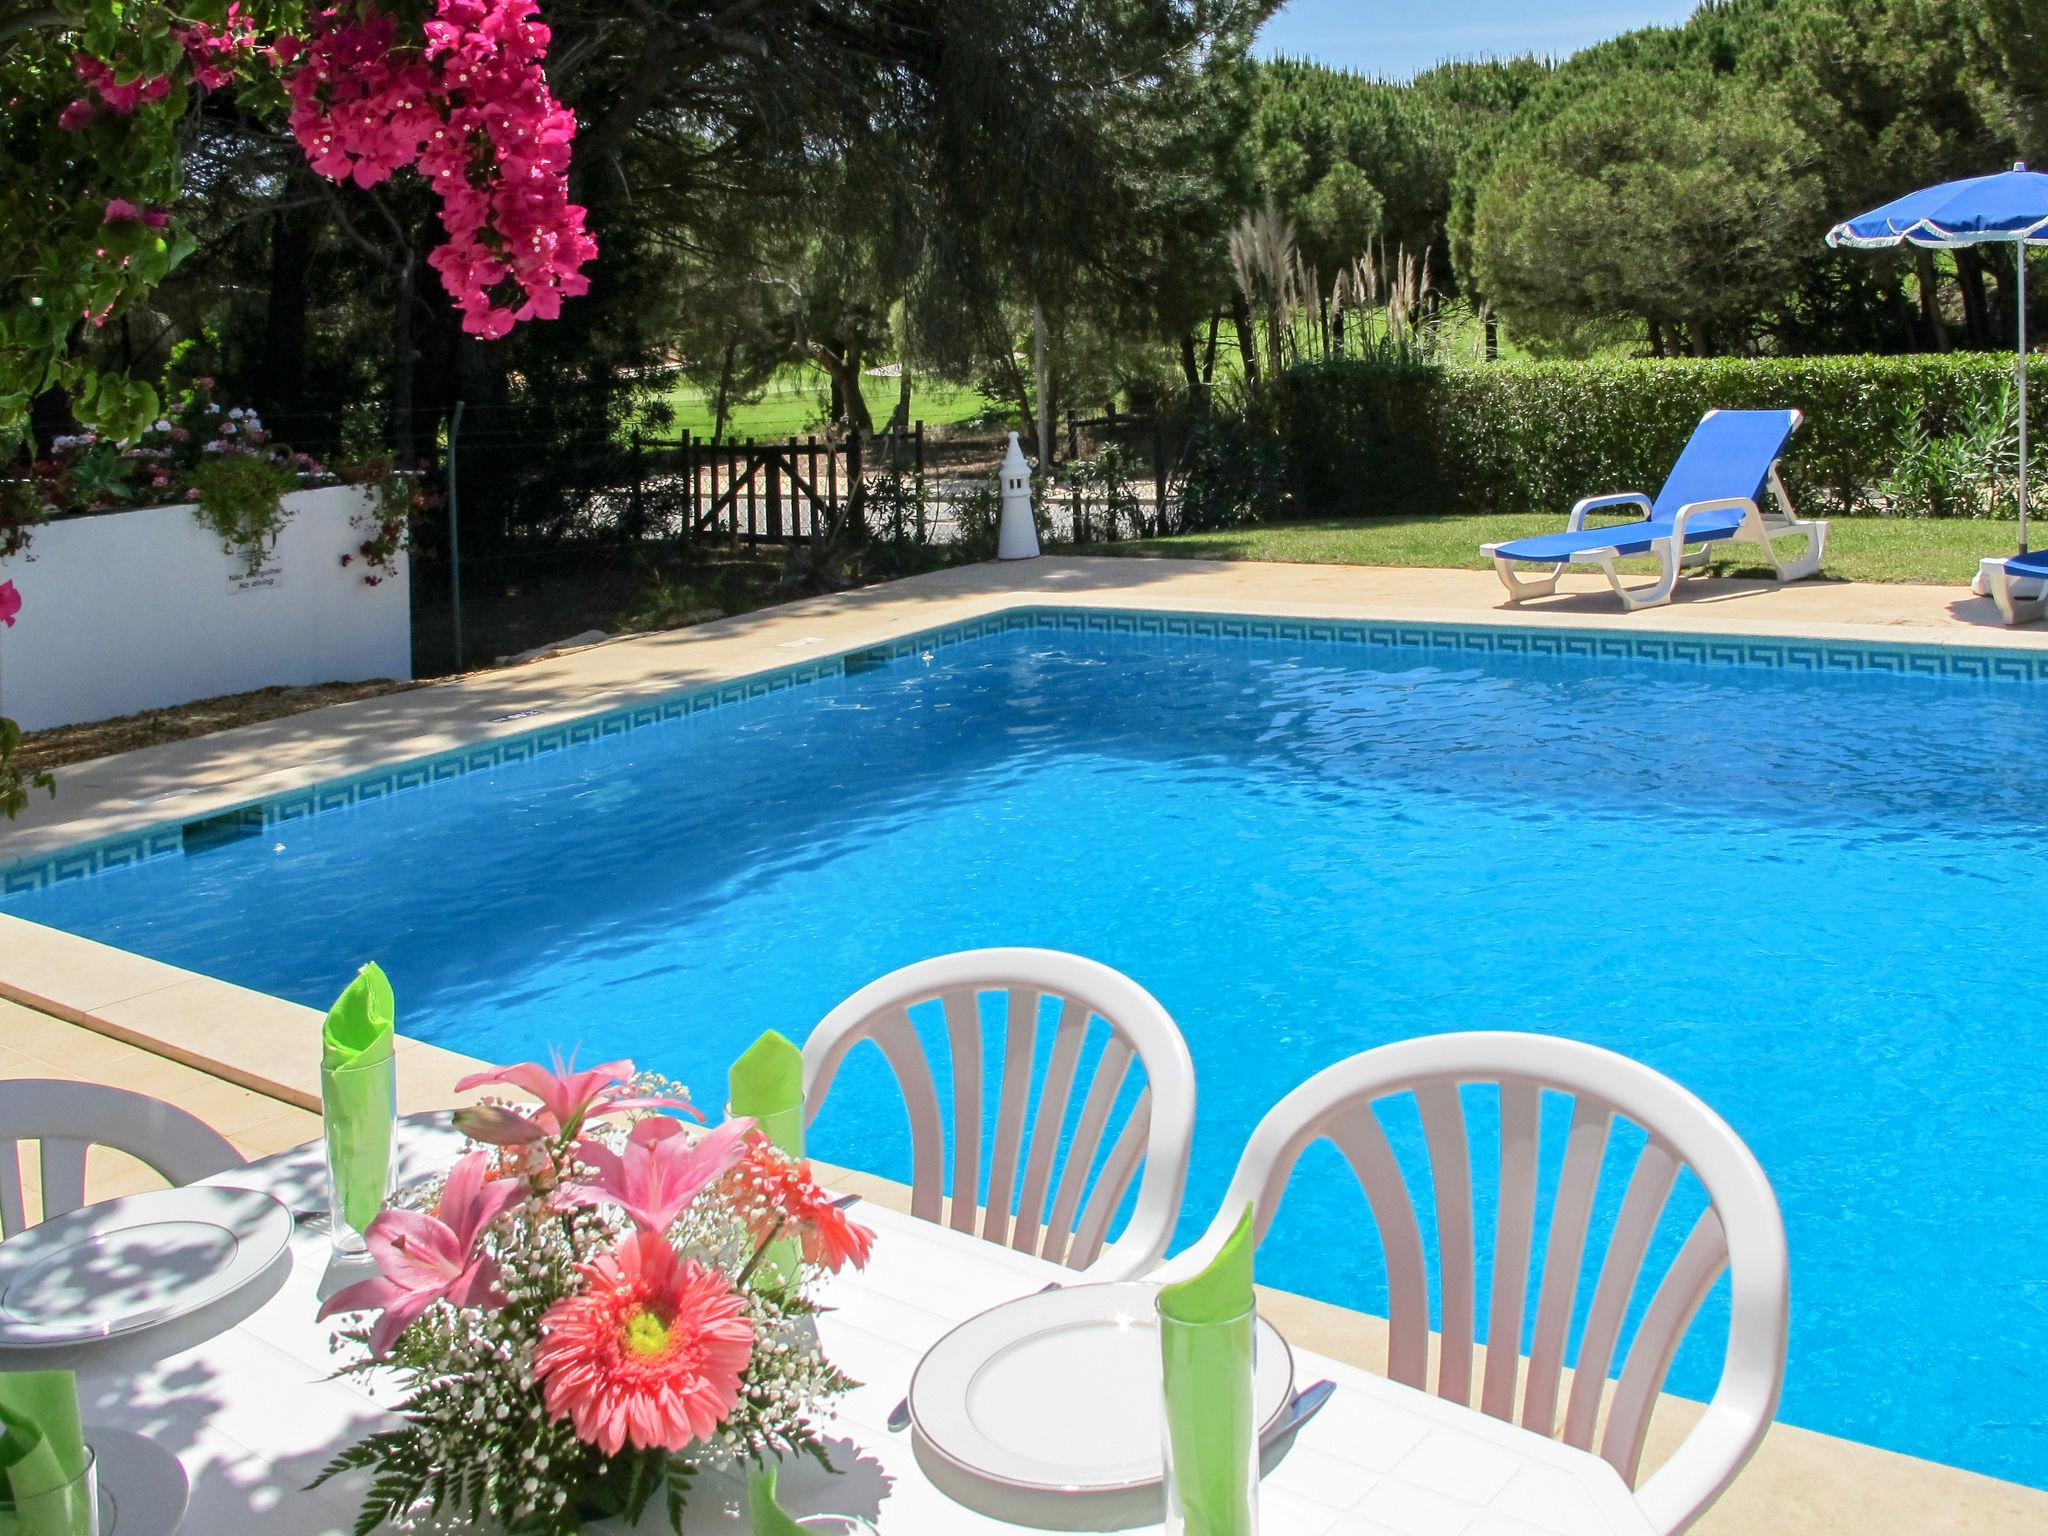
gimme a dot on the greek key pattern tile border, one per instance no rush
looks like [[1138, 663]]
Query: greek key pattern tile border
[[1974, 663]]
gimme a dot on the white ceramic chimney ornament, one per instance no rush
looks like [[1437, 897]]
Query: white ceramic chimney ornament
[[1018, 536]]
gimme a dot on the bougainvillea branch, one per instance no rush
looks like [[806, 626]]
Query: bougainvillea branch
[[98, 89], [471, 111]]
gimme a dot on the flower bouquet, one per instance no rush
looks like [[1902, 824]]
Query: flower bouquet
[[590, 1306]]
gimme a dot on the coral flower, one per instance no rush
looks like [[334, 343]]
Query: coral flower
[[648, 1354], [793, 1204], [424, 1259]]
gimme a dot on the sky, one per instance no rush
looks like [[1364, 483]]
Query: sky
[[1397, 38]]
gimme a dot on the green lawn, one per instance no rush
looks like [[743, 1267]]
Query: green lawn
[[798, 398], [1859, 548]]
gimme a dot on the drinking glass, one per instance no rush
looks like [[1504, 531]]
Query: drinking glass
[[70, 1510], [359, 1116], [1208, 1438]]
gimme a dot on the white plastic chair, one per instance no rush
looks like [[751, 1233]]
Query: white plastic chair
[[1740, 1231], [69, 1118], [1051, 1217]]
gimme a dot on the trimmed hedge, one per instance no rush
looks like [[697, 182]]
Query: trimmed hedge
[[1357, 438]]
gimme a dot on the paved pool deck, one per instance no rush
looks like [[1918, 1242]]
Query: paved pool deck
[[247, 1062]]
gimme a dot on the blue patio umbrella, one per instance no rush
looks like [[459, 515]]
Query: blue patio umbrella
[[2009, 208]]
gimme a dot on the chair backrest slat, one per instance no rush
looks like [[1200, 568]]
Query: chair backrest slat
[[1002, 1166], [1118, 1169], [1685, 1285], [963, 1035], [1571, 1213], [1514, 1231], [1641, 1208], [1740, 1233], [67, 1119], [1063, 1204], [1068, 1036], [1363, 1141], [1450, 1169], [896, 1036], [1111, 1068]]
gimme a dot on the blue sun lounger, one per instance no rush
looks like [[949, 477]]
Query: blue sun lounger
[[1714, 492], [2019, 586]]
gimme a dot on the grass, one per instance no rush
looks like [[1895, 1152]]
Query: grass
[[1943, 552], [799, 396]]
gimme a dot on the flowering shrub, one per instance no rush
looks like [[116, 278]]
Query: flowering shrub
[[580, 1313], [472, 112], [222, 459]]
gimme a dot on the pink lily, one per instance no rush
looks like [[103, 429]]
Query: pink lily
[[425, 1259], [661, 1171], [567, 1099]]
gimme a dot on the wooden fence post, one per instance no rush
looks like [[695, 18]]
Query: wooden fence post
[[688, 454], [753, 522], [856, 528]]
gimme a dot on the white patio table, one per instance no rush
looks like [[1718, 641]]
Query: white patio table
[[252, 1413]]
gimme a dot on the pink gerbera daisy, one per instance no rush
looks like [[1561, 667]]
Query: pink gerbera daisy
[[649, 1353]]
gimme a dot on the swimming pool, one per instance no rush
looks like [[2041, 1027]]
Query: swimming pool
[[1797, 891]]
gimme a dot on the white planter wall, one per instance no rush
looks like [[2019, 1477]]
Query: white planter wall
[[142, 609]]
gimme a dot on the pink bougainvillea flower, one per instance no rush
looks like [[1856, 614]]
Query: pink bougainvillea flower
[[423, 1259], [567, 1099], [658, 1175], [649, 1353], [796, 1205], [10, 603], [78, 115], [121, 211], [156, 216]]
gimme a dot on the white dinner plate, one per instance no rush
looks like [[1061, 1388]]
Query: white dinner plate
[[125, 1265], [1059, 1392]]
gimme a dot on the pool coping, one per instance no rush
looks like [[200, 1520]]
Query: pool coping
[[271, 1045]]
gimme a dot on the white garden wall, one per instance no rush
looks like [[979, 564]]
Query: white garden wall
[[141, 609]]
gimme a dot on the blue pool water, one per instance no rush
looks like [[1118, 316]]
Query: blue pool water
[[1810, 898]]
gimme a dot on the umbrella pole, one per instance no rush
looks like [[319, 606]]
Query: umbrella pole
[[2020, 254]]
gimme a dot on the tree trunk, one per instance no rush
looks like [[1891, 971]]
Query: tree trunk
[[720, 411], [404, 358], [1493, 337], [1930, 298], [1247, 339], [1209, 356], [1190, 366], [282, 371], [1976, 307], [843, 368], [1657, 347]]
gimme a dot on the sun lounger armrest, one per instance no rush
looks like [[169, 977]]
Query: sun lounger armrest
[[1602, 503], [1693, 509]]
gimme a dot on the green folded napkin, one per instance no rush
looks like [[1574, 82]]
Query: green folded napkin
[[767, 1082], [764, 1515], [355, 1097], [42, 1448], [1205, 1346]]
